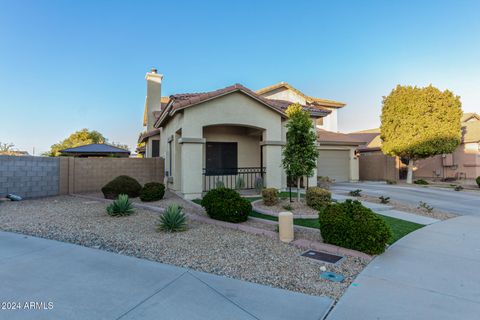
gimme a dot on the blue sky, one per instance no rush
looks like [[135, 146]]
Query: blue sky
[[67, 65]]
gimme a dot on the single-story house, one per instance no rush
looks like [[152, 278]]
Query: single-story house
[[95, 150], [463, 163], [234, 136]]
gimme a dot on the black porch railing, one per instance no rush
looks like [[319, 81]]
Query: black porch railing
[[233, 178]]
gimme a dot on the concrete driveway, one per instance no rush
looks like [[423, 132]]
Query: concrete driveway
[[462, 203], [433, 273], [73, 282]]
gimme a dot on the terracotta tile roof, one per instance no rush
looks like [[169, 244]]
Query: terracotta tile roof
[[186, 100], [329, 137], [310, 100], [143, 137]]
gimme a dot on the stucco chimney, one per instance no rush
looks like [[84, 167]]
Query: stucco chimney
[[154, 94]]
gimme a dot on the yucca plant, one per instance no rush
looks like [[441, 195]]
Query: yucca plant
[[173, 219], [122, 206]]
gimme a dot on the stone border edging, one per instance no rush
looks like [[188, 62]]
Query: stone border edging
[[300, 243], [275, 214]]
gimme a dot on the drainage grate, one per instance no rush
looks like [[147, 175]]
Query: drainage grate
[[322, 256]]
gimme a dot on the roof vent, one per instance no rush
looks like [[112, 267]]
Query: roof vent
[[154, 70]]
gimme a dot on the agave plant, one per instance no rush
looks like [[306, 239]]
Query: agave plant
[[219, 184], [239, 183], [122, 206], [173, 219]]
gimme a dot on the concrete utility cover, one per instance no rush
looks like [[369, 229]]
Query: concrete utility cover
[[433, 273], [85, 283]]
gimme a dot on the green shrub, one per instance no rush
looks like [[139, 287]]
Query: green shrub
[[351, 225], [425, 206], [152, 191], [259, 185], [355, 193], [318, 198], [421, 181], [270, 196], [239, 183], [226, 205], [458, 188], [390, 181], [288, 207], [120, 207], [219, 184], [478, 181], [173, 219], [324, 182], [384, 200], [122, 185]]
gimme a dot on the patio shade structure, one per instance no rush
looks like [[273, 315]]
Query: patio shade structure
[[95, 150]]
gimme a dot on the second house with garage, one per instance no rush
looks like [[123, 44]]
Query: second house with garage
[[234, 137]]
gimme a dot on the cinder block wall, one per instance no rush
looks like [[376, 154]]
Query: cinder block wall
[[29, 177], [32, 177], [376, 166], [91, 174]]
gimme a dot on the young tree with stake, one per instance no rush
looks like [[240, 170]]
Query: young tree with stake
[[300, 153]]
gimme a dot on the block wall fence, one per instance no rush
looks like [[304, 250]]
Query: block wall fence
[[32, 177]]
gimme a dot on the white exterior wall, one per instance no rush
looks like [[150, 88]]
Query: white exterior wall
[[330, 122], [248, 142], [235, 110]]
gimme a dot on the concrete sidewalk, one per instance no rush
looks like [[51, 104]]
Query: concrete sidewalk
[[432, 273], [84, 283]]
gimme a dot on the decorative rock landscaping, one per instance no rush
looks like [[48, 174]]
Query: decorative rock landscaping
[[205, 247]]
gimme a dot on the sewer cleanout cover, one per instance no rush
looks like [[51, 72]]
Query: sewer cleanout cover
[[322, 256]]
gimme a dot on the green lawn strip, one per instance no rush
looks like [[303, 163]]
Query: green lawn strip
[[400, 228]]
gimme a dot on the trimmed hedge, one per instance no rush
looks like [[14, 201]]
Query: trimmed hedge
[[318, 198], [122, 185], [226, 205], [421, 181], [152, 191], [478, 181], [351, 225], [270, 196]]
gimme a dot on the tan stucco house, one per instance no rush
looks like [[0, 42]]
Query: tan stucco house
[[234, 136], [463, 163]]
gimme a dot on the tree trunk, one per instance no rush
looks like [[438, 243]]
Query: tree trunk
[[410, 171], [298, 189]]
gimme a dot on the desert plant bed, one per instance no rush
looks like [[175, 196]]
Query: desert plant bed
[[402, 206], [201, 247]]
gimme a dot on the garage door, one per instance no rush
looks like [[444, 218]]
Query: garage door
[[334, 164]]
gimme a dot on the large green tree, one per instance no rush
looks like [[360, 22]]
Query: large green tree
[[78, 138], [300, 153], [418, 123]]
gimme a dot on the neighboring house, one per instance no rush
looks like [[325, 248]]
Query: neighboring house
[[234, 136], [95, 150], [463, 163]]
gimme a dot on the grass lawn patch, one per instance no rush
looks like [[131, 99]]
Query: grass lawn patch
[[400, 228]]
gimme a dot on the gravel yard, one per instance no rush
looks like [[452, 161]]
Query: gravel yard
[[202, 247]]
